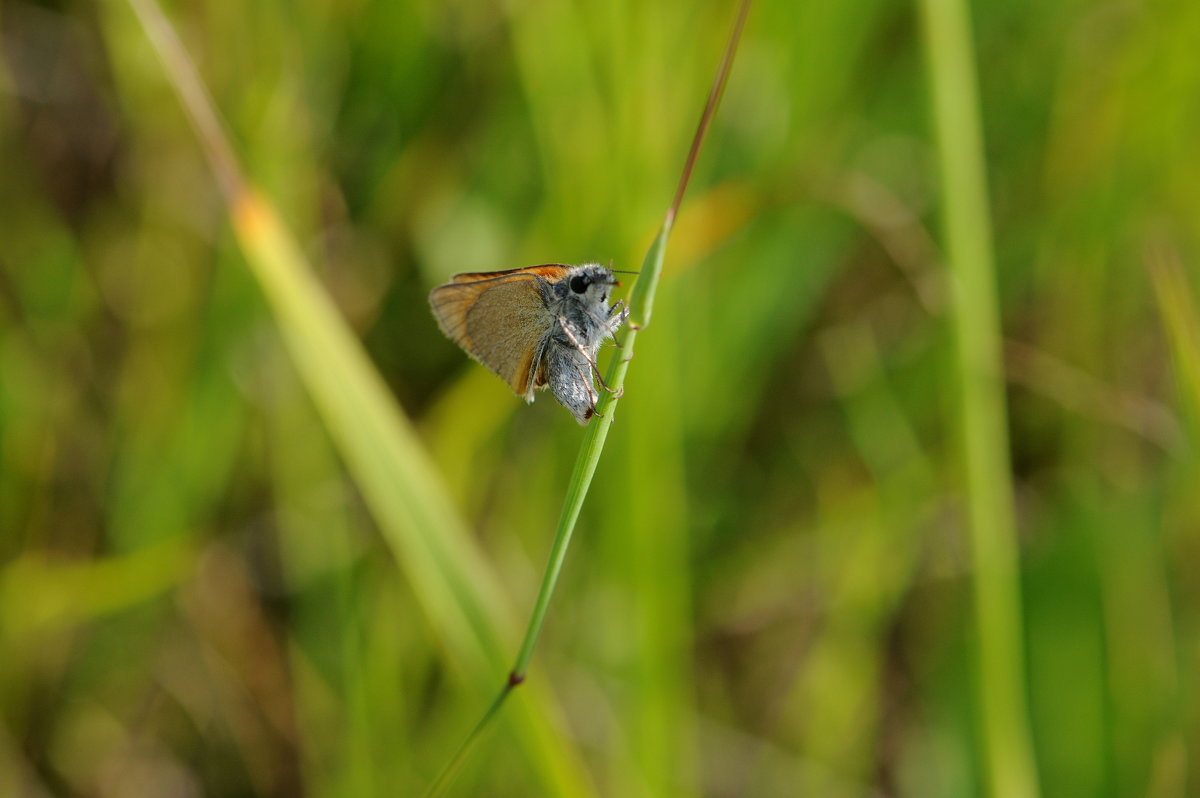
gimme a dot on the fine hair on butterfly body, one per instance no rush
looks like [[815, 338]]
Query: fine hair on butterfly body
[[536, 327]]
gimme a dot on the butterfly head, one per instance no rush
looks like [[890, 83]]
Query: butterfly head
[[589, 284]]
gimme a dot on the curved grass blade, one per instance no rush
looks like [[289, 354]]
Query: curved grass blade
[[457, 590]]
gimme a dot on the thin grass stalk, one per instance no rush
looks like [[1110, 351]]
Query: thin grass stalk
[[1008, 750], [641, 304]]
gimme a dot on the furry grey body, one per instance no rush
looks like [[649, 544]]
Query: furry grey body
[[582, 320]]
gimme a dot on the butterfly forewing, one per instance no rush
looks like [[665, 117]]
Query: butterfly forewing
[[498, 318], [548, 271]]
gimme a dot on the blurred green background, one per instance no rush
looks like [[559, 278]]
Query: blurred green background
[[769, 593]]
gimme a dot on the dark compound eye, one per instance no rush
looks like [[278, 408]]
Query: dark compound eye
[[579, 283]]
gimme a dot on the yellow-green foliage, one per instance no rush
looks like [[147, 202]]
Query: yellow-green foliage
[[239, 558]]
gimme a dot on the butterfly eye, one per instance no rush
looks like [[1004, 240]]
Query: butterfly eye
[[579, 283]]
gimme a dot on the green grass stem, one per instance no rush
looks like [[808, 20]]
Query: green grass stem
[[978, 365]]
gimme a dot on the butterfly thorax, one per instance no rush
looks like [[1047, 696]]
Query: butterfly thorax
[[584, 314]]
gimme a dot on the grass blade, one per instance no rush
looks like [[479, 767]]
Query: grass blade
[[979, 370], [453, 582]]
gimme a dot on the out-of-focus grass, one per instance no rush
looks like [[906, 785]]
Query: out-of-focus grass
[[769, 590], [979, 377], [1176, 302]]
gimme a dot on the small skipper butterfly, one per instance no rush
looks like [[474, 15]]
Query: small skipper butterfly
[[535, 327]]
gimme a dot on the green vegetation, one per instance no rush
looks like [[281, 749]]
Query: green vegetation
[[238, 557]]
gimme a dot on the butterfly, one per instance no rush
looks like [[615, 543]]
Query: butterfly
[[536, 327]]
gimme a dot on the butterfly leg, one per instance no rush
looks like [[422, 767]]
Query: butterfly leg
[[617, 315], [624, 317], [566, 328], [621, 310]]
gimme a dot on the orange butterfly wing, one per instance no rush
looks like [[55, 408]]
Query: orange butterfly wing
[[552, 272], [499, 318]]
